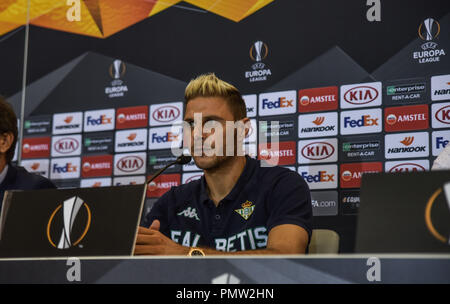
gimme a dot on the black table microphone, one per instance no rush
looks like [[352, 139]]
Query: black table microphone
[[181, 160]]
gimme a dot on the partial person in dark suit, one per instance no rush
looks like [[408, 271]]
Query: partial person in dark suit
[[12, 177]]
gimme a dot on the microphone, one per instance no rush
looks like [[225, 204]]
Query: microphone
[[181, 160]]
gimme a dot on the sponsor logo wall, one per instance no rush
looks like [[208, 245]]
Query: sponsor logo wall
[[330, 135]]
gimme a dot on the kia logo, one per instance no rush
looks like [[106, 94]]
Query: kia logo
[[406, 167], [317, 150], [130, 163], [361, 95], [66, 145], [192, 178], [166, 114], [443, 115]]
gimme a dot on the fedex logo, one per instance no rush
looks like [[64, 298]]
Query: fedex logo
[[361, 121], [65, 168], [440, 140], [102, 120], [69, 167], [320, 177], [277, 103], [99, 120], [164, 138], [280, 103]]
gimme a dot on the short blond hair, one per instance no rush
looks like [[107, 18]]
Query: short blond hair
[[209, 85]]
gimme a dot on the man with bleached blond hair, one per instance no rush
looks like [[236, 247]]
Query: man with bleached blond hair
[[238, 206]]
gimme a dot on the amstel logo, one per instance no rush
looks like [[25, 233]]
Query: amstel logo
[[65, 222], [438, 200]]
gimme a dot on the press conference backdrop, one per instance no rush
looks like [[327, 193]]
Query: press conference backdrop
[[356, 88]]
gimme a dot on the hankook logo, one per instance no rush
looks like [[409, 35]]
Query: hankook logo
[[68, 213]]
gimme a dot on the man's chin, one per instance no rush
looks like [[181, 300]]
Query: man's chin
[[206, 162]]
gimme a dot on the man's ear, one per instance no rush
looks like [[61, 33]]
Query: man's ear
[[6, 140], [248, 126]]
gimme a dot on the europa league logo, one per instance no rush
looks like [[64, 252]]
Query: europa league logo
[[429, 29], [70, 210], [117, 69], [259, 51]]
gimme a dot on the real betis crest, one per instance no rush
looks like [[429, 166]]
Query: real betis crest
[[247, 210]]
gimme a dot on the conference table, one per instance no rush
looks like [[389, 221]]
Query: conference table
[[286, 269]]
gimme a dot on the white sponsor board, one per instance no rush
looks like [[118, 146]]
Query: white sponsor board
[[67, 123], [251, 104], [318, 125], [318, 151], [67, 145], [131, 140], [440, 115], [165, 113], [99, 120], [65, 168], [189, 177], [406, 145], [401, 166], [165, 137], [95, 182], [37, 166], [361, 95], [129, 180], [439, 140], [277, 103], [361, 121], [130, 163], [320, 176], [440, 87]]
